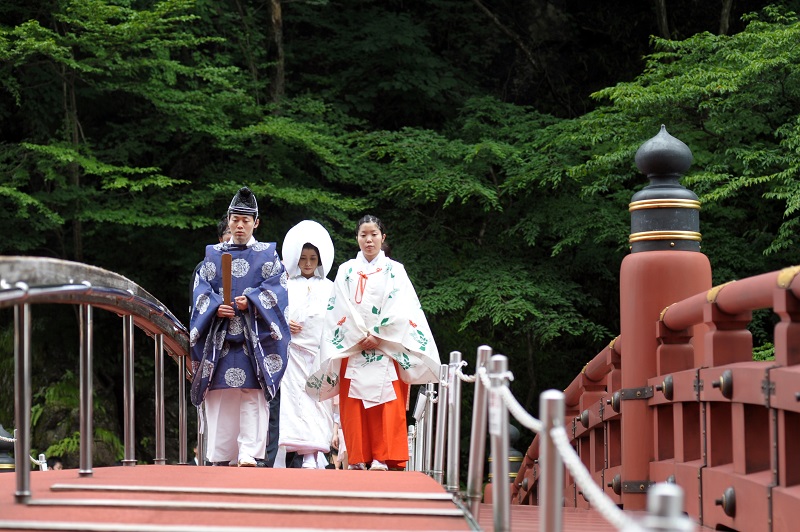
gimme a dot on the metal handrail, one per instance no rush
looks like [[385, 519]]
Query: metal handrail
[[26, 281]]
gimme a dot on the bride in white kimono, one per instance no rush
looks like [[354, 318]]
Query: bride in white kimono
[[306, 425]]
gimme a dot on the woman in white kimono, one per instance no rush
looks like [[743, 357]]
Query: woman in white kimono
[[305, 424], [375, 335]]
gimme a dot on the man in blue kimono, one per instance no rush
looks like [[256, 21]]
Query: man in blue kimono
[[239, 350]]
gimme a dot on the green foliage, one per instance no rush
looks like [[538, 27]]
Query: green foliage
[[764, 352], [71, 444], [128, 126], [734, 101]]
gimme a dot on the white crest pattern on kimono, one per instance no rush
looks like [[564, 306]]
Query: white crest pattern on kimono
[[387, 307], [260, 333]]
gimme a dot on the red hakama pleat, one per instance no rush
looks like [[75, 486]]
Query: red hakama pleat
[[377, 433]]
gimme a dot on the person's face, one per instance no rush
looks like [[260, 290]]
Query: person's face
[[242, 227], [225, 236], [58, 466], [308, 263], [370, 239]]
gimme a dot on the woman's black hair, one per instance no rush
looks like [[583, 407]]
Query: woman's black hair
[[309, 245], [370, 219]]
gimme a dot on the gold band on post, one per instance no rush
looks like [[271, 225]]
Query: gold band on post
[[665, 235], [665, 203]]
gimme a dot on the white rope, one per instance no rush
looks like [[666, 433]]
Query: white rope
[[484, 376], [33, 460], [601, 502], [460, 374], [519, 413], [594, 494]]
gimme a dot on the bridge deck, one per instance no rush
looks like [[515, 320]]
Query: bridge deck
[[151, 498]]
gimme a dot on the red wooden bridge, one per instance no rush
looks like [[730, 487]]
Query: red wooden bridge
[[675, 400]]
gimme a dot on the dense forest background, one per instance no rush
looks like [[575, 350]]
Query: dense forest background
[[495, 138]]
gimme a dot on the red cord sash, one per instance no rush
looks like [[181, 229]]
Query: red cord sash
[[362, 285]]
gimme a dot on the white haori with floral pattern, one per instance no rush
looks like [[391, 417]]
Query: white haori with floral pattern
[[387, 307]]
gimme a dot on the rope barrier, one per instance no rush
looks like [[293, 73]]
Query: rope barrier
[[602, 503], [460, 374], [519, 413], [33, 460], [583, 479]]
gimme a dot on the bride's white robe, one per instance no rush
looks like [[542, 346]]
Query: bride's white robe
[[306, 425]]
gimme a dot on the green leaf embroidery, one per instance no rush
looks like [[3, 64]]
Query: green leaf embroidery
[[420, 338], [314, 383], [338, 338], [370, 357], [403, 360]]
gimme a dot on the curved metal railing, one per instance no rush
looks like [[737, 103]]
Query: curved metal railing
[[27, 281]]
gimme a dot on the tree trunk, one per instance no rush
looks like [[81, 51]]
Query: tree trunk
[[661, 18], [278, 80], [725, 17], [247, 50], [530, 399], [73, 131]]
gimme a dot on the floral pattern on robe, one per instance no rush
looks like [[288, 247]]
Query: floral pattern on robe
[[377, 298]]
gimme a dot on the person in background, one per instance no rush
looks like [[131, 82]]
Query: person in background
[[375, 343], [238, 350], [55, 463], [223, 235]]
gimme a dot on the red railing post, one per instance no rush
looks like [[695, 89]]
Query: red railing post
[[665, 265]]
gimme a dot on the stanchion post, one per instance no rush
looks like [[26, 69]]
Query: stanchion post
[[128, 398], [22, 399], [410, 465], [182, 419], [441, 425], [665, 510], [427, 456], [477, 440], [454, 423], [86, 391], [419, 428], [498, 435], [160, 458], [551, 481]]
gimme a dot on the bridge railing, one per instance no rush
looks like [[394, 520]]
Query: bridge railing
[[492, 406], [724, 427], [29, 281]]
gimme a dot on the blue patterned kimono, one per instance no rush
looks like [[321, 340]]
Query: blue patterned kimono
[[248, 350]]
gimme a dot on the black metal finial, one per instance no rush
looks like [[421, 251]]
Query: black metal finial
[[665, 215], [663, 155]]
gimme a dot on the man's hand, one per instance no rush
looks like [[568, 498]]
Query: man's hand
[[225, 311], [240, 302], [295, 327]]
